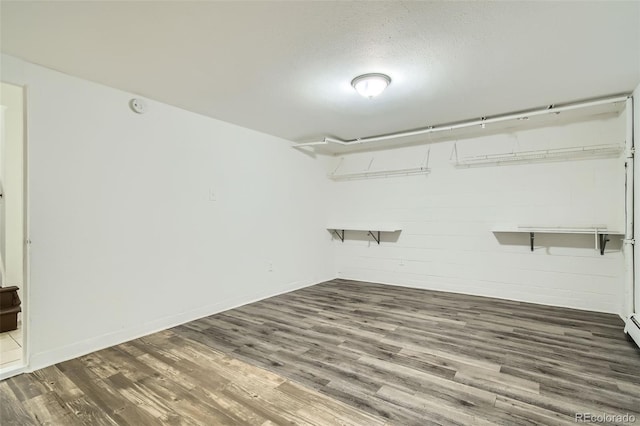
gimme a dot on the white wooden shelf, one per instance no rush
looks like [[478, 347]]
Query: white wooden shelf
[[369, 228], [600, 232], [581, 152]]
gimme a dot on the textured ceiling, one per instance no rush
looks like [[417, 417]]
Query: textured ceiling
[[284, 68]]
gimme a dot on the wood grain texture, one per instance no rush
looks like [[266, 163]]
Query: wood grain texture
[[349, 353]]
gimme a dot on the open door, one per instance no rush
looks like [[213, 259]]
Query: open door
[[12, 229]]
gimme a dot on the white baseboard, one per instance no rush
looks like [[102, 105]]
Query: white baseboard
[[12, 371], [65, 353], [481, 294]]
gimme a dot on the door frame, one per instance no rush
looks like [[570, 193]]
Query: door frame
[[26, 288]]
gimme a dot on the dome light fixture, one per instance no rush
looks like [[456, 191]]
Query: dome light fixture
[[370, 85]]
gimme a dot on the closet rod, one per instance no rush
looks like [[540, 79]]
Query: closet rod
[[551, 109]]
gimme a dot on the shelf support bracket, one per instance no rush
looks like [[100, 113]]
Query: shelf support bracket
[[341, 236], [531, 238], [374, 237], [603, 242]]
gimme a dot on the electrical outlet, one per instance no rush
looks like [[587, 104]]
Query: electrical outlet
[[270, 267], [401, 262], [212, 194]]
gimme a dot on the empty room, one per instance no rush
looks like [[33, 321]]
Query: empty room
[[319, 213]]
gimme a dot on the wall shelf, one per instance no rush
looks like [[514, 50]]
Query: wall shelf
[[581, 152], [372, 229], [421, 169], [600, 232], [380, 173]]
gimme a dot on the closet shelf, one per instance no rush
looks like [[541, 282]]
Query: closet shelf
[[420, 169], [380, 173], [581, 152], [371, 228], [600, 232]]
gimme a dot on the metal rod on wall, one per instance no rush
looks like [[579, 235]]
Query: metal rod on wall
[[476, 122]]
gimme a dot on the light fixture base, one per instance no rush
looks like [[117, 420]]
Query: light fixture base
[[371, 85]]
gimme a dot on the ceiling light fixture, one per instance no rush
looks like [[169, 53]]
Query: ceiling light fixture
[[370, 85]]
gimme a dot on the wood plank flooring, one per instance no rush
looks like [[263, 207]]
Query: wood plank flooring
[[346, 352]]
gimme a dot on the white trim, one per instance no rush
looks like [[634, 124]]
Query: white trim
[[511, 298], [627, 305], [45, 359], [6, 373], [26, 275], [25, 287]]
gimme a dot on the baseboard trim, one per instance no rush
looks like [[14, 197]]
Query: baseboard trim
[[45, 359], [12, 371], [467, 293]]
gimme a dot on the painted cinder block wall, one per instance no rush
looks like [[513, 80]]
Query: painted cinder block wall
[[447, 219]]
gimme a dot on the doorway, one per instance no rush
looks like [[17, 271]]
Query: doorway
[[12, 229]]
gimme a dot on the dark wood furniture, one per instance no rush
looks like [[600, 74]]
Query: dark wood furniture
[[9, 308]]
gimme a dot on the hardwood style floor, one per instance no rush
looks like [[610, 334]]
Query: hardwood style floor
[[348, 353]]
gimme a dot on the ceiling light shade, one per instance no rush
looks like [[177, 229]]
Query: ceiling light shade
[[370, 85]]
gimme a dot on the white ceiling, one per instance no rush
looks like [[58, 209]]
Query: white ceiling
[[285, 68]]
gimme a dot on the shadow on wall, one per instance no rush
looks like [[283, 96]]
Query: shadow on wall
[[385, 237], [582, 241]]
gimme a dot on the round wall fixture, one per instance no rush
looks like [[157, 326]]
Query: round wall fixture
[[370, 85], [138, 105]]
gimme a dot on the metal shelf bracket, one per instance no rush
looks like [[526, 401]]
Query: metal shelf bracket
[[374, 237], [531, 238], [603, 238], [602, 241]]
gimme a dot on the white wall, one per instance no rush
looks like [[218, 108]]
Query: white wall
[[12, 174], [125, 238], [447, 217]]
